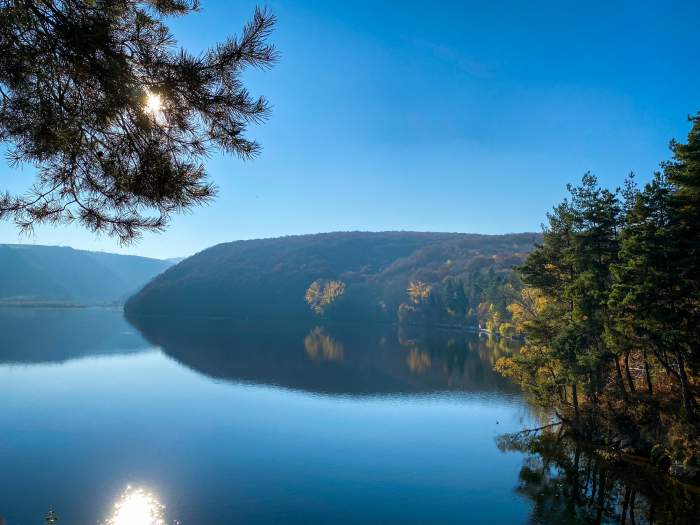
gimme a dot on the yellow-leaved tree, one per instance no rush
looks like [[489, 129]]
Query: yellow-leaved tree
[[418, 291], [322, 293], [536, 367]]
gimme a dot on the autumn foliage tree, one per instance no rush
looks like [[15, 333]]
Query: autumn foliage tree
[[323, 293], [115, 118]]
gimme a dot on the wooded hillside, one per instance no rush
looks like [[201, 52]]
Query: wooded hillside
[[349, 276]]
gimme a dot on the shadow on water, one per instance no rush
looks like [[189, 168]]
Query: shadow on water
[[336, 359], [568, 483], [32, 336]]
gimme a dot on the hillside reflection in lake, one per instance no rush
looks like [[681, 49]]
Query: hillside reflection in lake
[[334, 359], [61, 334], [259, 423]]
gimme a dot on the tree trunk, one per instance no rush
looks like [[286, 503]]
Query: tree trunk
[[620, 382], [632, 518], [647, 374], [593, 390], [685, 388], [601, 498], [625, 503], [628, 373], [666, 364], [574, 396]]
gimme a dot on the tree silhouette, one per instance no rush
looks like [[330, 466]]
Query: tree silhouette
[[117, 120]]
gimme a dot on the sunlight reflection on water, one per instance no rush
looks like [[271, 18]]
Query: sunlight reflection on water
[[137, 506]]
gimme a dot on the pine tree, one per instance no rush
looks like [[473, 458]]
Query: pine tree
[[570, 271], [597, 221], [116, 120], [553, 340], [684, 174], [657, 282]]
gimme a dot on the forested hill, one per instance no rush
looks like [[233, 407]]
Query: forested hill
[[348, 276], [54, 274]]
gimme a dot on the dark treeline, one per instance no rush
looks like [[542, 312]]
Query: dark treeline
[[610, 306]]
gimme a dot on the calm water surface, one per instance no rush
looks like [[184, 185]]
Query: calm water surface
[[261, 423]]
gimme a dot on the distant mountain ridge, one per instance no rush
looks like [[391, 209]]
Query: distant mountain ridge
[[57, 274], [271, 277]]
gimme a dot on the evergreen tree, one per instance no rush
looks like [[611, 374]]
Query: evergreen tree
[[657, 280], [616, 279], [456, 299], [597, 220], [553, 338], [117, 120], [684, 174], [571, 272]]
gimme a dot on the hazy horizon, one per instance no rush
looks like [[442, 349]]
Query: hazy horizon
[[29, 241]]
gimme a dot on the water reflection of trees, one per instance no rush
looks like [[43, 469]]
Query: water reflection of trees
[[319, 345], [418, 361], [334, 358], [570, 484], [456, 355]]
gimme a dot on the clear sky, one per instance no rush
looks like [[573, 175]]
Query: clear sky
[[441, 116]]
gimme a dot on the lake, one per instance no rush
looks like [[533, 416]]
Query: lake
[[226, 422]]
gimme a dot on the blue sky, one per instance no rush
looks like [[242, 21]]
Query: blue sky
[[441, 116]]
